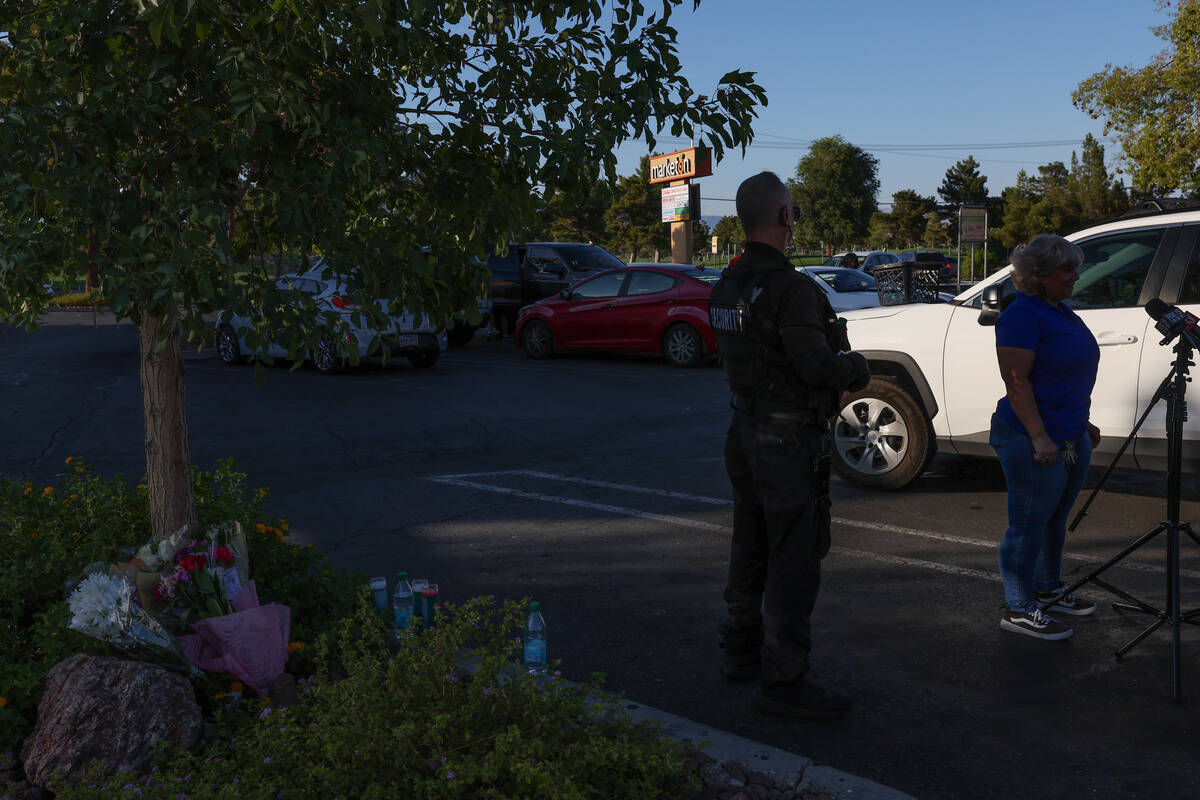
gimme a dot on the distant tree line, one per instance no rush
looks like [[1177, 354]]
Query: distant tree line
[[1152, 110]]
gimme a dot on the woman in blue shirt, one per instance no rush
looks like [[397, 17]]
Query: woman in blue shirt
[[1041, 432]]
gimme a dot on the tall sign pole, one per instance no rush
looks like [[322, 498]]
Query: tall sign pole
[[681, 197], [972, 227]]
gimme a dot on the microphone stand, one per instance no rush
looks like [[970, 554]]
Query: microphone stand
[[1174, 390]]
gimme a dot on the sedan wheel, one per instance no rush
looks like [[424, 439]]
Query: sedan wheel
[[537, 340], [682, 346], [325, 358], [881, 437], [227, 345]]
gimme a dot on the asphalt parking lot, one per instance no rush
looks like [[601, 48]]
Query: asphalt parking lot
[[595, 485]]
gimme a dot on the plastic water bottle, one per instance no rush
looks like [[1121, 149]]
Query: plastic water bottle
[[535, 641], [402, 604]]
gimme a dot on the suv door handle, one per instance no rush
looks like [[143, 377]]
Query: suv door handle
[[668, 301], [1108, 339]]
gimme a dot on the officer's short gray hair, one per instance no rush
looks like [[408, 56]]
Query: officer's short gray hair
[[759, 199], [1040, 256]]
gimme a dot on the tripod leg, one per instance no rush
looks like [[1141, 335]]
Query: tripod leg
[[1091, 576]]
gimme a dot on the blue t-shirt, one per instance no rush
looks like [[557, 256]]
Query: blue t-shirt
[[1065, 360]]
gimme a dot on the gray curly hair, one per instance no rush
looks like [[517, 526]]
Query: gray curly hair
[[1040, 256]]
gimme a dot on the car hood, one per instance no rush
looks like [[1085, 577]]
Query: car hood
[[876, 311]]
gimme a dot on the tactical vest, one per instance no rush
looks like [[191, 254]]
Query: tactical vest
[[750, 342]]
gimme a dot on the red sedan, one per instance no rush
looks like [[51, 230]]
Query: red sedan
[[660, 309]]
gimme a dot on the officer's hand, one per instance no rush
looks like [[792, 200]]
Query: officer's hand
[[862, 372]]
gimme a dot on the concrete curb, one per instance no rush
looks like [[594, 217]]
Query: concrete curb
[[786, 768]]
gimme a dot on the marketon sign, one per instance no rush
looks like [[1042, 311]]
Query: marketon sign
[[695, 162]]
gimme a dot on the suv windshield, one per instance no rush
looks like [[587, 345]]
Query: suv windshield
[[587, 257]]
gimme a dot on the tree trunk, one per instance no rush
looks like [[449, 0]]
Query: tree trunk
[[168, 451], [92, 281]]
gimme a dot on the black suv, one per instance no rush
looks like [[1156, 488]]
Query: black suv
[[528, 272]]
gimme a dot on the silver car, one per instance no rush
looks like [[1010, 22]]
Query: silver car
[[406, 335]]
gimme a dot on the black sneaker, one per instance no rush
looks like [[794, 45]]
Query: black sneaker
[[804, 700], [1035, 624], [1071, 604]]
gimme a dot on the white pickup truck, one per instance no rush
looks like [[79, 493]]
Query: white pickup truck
[[936, 381]]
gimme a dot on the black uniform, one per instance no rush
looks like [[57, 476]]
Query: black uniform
[[782, 347]]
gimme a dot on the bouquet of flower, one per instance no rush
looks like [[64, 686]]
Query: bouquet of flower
[[204, 576], [102, 606]]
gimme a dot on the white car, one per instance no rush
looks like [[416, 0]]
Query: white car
[[847, 289], [406, 335], [935, 380]]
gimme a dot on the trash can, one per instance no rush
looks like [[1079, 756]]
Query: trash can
[[905, 282]]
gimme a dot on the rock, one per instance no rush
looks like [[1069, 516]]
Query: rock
[[108, 709], [282, 691]]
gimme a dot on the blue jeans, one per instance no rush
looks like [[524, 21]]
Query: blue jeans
[[1039, 498]]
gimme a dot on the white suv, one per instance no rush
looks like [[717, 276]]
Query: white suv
[[936, 381]]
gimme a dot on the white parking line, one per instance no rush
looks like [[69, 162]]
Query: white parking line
[[455, 480], [462, 479]]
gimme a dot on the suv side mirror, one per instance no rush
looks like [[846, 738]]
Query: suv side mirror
[[565, 294], [992, 299]]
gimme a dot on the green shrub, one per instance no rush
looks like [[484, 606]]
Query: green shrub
[[385, 721], [49, 535], [72, 299]]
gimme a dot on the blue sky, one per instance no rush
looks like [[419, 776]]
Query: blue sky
[[885, 74]]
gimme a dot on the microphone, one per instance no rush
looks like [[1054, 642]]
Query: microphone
[[1172, 321]]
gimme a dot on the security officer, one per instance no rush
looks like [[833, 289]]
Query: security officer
[[787, 361]]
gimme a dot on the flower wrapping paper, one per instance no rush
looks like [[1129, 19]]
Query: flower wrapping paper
[[250, 643]]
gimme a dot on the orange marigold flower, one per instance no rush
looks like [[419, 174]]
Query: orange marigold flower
[[48, 490], [279, 534], [74, 497], [294, 646], [70, 459], [236, 686], [28, 490], [141, 486], [287, 526], [295, 551], [260, 528], [3, 702]]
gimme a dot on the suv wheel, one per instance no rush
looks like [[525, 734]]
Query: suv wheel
[[881, 438]]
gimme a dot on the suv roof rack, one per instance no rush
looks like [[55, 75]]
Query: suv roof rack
[[1160, 205]]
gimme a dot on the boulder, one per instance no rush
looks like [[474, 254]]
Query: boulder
[[108, 709]]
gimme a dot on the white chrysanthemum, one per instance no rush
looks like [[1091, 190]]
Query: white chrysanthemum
[[95, 606]]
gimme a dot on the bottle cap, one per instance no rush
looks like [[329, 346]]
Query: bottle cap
[[378, 583], [535, 606], [401, 576]]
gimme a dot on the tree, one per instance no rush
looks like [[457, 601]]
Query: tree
[[1099, 196], [908, 216], [701, 236], [634, 220], [576, 217], [1061, 200], [1154, 109], [834, 188], [190, 137], [963, 185], [728, 230], [935, 234], [881, 233]]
